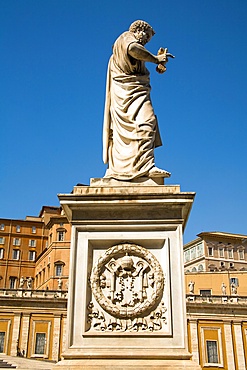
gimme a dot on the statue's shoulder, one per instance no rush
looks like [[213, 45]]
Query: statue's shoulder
[[125, 38]]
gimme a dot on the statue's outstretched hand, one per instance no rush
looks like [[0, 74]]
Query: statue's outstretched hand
[[162, 58]]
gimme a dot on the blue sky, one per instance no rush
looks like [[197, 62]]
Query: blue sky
[[54, 56]]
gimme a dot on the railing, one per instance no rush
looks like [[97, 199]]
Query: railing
[[29, 293], [216, 299]]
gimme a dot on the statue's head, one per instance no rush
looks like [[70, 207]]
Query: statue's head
[[142, 30]]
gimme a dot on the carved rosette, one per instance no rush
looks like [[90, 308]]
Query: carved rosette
[[127, 281]]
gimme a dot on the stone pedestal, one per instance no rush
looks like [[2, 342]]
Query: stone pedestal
[[126, 306]]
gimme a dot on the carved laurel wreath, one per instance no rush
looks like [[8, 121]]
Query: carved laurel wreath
[[105, 303]]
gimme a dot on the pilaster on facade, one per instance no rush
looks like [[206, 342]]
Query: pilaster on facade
[[194, 340], [15, 334], [229, 345], [238, 346], [25, 328], [56, 337]]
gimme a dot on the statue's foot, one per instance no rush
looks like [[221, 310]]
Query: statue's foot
[[158, 172]]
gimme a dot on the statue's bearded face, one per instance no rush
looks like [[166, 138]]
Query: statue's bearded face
[[143, 36]]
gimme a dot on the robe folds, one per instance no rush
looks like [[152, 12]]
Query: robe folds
[[130, 131]]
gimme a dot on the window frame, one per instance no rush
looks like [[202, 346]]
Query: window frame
[[17, 251], [60, 235], [241, 252], [212, 250], [204, 338], [32, 243], [221, 255], [212, 363], [43, 344], [2, 341], [12, 282], [234, 280], [59, 266], [16, 242], [30, 253], [204, 294]]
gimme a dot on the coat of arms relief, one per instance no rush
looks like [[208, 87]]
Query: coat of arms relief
[[127, 283]]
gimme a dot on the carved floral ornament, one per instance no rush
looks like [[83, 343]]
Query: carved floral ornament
[[127, 281]]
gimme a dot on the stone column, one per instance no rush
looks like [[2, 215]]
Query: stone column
[[15, 334], [239, 346], [229, 346], [25, 333], [56, 337], [194, 340]]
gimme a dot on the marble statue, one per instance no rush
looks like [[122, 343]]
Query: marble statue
[[223, 289], [29, 283], [59, 284], [22, 282], [191, 287], [234, 290], [131, 131]]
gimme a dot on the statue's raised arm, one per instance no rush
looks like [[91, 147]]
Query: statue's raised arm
[[131, 130]]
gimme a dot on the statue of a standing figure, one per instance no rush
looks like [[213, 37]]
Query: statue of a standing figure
[[223, 289], [131, 130], [191, 286], [29, 283]]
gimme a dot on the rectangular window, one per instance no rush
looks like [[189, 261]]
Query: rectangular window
[[186, 256], [212, 352], [210, 251], [2, 227], [12, 282], [1, 253], [193, 253], [234, 281], [205, 292], [18, 228], [40, 343], [58, 270], [241, 254], [221, 252], [2, 338], [230, 253], [16, 241], [60, 236], [33, 229], [16, 254], [32, 243], [199, 250], [2, 240], [32, 255]]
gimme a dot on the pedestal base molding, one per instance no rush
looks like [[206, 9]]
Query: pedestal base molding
[[126, 364]]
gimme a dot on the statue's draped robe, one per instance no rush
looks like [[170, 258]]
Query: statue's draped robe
[[130, 127]]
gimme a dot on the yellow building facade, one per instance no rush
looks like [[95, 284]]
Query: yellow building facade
[[33, 312]]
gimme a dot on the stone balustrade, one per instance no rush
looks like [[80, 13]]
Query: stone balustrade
[[30, 293]]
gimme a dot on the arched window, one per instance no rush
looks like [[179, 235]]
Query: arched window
[[200, 267]]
